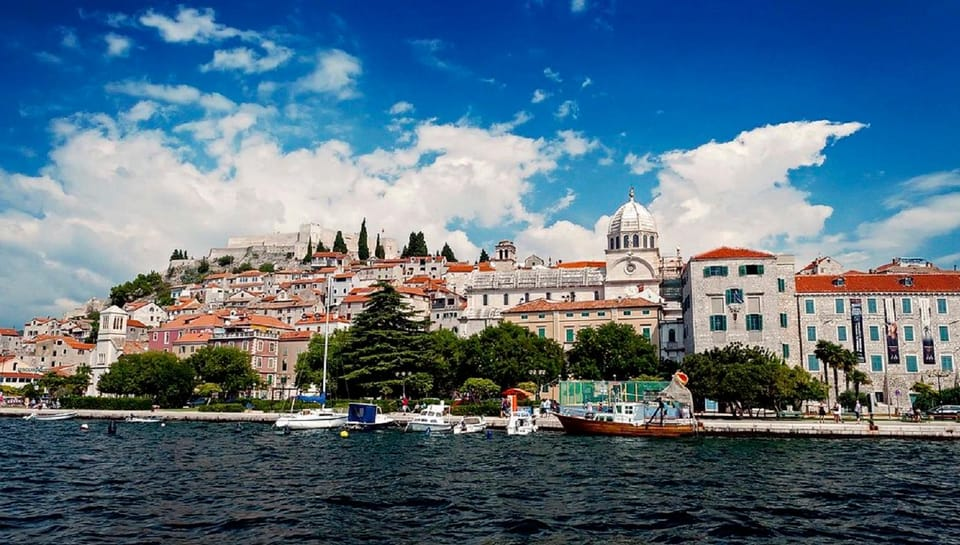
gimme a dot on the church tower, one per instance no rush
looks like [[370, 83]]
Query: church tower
[[110, 340], [633, 253]]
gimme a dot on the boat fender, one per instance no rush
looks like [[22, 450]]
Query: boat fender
[[344, 434], [489, 434], [84, 427]]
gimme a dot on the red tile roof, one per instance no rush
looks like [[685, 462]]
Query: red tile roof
[[5, 332], [296, 336], [459, 267], [726, 252], [878, 283], [135, 323], [582, 265], [485, 266], [193, 338], [542, 305]]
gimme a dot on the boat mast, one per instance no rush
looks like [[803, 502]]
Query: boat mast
[[326, 337]]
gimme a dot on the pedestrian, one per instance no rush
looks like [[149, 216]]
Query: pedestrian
[[822, 411], [857, 409], [405, 403], [836, 412]]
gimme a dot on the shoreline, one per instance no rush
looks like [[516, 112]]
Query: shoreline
[[724, 427]]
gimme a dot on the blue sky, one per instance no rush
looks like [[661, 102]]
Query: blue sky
[[130, 129]]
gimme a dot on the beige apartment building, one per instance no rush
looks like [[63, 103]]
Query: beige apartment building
[[562, 320]]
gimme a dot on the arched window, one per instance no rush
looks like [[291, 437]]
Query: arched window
[[618, 243], [653, 242], [626, 241], [672, 336], [611, 243], [636, 241], [644, 241]]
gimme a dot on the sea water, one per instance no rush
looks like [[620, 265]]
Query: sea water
[[214, 483]]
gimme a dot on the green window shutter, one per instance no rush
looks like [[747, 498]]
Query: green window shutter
[[759, 269], [781, 285], [944, 333], [706, 272], [786, 351], [875, 333], [570, 337], [743, 270], [783, 319], [876, 363]]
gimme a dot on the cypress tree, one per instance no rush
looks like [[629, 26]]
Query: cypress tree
[[447, 253], [306, 258], [363, 251], [378, 251], [484, 256], [338, 244]]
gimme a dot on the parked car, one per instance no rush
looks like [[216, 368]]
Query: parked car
[[945, 412]]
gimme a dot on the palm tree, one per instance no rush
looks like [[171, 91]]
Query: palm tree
[[838, 358]]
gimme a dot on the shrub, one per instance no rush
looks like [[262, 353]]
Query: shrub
[[224, 260], [107, 403], [490, 407]]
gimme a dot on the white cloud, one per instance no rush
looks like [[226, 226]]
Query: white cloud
[[401, 107], [247, 60], [69, 39], [577, 6], [552, 75], [574, 143], [569, 108], [739, 193], [639, 164], [49, 58], [519, 118], [117, 45], [336, 74], [176, 94], [190, 25], [586, 83], [141, 111], [539, 96]]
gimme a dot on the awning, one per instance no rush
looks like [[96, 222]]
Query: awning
[[519, 392]]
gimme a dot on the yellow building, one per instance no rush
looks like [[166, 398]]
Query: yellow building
[[561, 320]]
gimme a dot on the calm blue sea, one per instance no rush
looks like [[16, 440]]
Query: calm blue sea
[[208, 483]]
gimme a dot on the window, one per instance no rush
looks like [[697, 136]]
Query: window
[[808, 306], [585, 314], [946, 362], [569, 315], [783, 319], [906, 306], [549, 296], [754, 322], [714, 270], [523, 316], [751, 270], [646, 333], [944, 333], [811, 332], [526, 298], [541, 316], [908, 332], [601, 314], [786, 351], [874, 333], [570, 336], [166, 337], [506, 299], [876, 363], [841, 332], [735, 295], [672, 336], [781, 285], [718, 322], [541, 332], [813, 364], [838, 305], [627, 312], [636, 240], [485, 302], [912, 364], [155, 335], [941, 306], [646, 312]]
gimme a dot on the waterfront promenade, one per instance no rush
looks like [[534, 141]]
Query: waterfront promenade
[[746, 427]]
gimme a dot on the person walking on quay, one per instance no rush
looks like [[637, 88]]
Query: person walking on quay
[[857, 410], [836, 412], [822, 411]]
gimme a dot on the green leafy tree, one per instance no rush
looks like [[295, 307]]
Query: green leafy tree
[[480, 388], [507, 353], [837, 358], [416, 246], [243, 267], [144, 285], [379, 252], [225, 366], [484, 256], [338, 244], [448, 254], [70, 385], [161, 376], [204, 266], [612, 350], [321, 247], [363, 249], [225, 260], [386, 338], [266, 268], [309, 255], [94, 317]]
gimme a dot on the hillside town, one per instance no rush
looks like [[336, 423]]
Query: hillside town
[[901, 318]]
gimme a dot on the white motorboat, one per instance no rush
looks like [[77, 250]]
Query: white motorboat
[[50, 416], [367, 416], [430, 419], [470, 424], [312, 419], [520, 423], [144, 419]]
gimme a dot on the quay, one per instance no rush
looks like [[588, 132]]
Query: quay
[[723, 427]]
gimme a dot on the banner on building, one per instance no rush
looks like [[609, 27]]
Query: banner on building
[[856, 318], [927, 339], [893, 336]]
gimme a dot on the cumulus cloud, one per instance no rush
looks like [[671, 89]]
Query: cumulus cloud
[[587, 82], [519, 118], [69, 39], [539, 95], [335, 74], [117, 45], [249, 61], [574, 143], [552, 75], [577, 6], [639, 164], [175, 94], [401, 107], [739, 192], [190, 25], [569, 108]]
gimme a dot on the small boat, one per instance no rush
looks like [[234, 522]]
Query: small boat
[[312, 419], [520, 423], [50, 416], [144, 419], [667, 414], [430, 419], [366, 417], [470, 424]]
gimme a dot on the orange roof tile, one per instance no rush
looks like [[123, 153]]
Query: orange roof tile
[[296, 336], [485, 266], [878, 283], [6, 332], [356, 299], [193, 338], [726, 252], [459, 267], [581, 265], [541, 305], [135, 323]]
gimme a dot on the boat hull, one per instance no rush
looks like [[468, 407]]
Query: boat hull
[[46, 417], [312, 422], [576, 425], [424, 426]]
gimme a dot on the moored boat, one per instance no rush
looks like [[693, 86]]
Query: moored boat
[[50, 416], [470, 424], [144, 419], [312, 419], [520, 423], [668, 414], [367, 417], [430, 419]]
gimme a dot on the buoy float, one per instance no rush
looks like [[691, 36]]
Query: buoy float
[[84, 427], [344, 434], [163, 424]]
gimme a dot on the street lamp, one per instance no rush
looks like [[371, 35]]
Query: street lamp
[[402, 375], [939, 374], [538, 377]]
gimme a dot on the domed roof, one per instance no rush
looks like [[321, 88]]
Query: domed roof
[[630, 218]]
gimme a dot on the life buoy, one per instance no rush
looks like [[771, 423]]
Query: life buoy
[[681, 377]]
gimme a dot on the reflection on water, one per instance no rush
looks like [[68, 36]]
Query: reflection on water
[[197, 482]]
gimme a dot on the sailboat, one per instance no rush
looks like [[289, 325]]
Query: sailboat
[[322, 418]]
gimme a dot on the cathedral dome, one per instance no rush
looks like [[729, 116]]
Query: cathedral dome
[[632, 217]]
